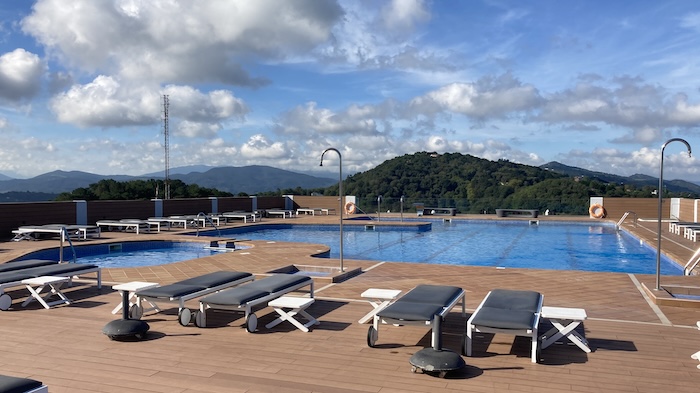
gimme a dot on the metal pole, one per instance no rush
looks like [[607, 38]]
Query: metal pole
[[340, 198], [660, 195], [402, 199], [379, 208]]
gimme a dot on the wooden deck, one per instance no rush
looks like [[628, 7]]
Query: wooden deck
[[636, 345]]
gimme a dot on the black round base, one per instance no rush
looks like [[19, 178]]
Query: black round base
[[121, 328], [442, 361]]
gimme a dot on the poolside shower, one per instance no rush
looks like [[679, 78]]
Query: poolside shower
[[660, 194], [340, 197]]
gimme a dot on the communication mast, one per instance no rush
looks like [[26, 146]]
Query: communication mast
[[166, 133]]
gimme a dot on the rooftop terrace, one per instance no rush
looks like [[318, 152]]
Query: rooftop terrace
[[637, 346]]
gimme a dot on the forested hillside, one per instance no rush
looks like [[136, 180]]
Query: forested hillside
[[475, 185]]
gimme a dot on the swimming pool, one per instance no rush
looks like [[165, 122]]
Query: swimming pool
[[131, 254], [507, 244]]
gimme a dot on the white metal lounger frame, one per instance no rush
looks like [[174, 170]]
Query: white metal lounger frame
[[183, 313], [432, 322], [247, 308], [6, 300], [532, 332], [137, 225]]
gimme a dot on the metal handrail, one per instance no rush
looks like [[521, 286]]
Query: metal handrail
[[694, 260], [206, 218], [624, 216], [65, 235]]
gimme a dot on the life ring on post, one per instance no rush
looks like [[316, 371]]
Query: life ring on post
[[350, 208], [596, 210]]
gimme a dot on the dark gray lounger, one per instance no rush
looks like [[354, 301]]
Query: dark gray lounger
[[26, 264], [191, 288], [247, 296], [21, 385], [422, 305], [13, 278], [507, 311]]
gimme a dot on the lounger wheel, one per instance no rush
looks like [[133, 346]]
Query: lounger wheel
[[135, 311], [200, 319], [251, 323], [184, 316], [372, 336], [5, 302]]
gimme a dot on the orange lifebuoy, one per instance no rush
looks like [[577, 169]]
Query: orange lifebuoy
[[350, 208], [596, 210]]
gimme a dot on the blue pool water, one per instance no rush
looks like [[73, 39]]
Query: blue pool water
[[130, 254], [510, 244]]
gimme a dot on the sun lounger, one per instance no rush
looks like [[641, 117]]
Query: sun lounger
[[509, 312], [34, 232], [191, 288], [10, 384], [422, 306], [129, 224], [13, 278], [283, 213], [26, 264], [238, 215], [250, 295]]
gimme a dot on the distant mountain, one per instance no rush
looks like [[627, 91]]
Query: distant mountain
[[182, 170], [638, 180], [3, 177], [57, 182], [250, 179]]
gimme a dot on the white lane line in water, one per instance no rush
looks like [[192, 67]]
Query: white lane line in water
[[654, 307]]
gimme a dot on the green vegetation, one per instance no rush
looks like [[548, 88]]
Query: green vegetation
[[138, 189], [470, 184]]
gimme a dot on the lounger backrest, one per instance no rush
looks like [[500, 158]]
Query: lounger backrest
[[513, 300], [280, 282], [256, 290], [26, 264], [214, 279], [18, 385], [15, 276], [59, 269], [171, 291], [432, 294]]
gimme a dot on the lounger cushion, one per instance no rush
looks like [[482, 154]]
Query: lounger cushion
[[194, 284], [15, 276], [255, 290], [26, 264], [513, 300], [17, 385], [59, 269], [433, 294], [215, 279], [409, 311], [504, 319], [171, 291], [508, 309]]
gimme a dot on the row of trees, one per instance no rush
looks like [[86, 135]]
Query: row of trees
[[468, 183], [138, 189]]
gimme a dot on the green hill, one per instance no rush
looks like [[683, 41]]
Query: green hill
[[476, 185]]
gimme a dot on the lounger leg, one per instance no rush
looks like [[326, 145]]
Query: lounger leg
[[535, 342], [468, 343]]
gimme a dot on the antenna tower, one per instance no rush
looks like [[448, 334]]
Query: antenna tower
[[166, 133]]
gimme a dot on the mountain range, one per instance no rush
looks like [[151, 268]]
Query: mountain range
[[255, 179], [248, 179]]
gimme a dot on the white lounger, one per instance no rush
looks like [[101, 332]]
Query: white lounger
[[509, 312], [128, 224], [245, 297], [33, 232]]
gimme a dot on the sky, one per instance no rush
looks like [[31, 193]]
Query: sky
[[600, 85]]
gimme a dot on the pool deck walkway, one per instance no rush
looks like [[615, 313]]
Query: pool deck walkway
[[636, 345]]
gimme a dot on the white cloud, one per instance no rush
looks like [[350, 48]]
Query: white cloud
[[106, 103], [258, 146], [165, 41], [20, 75], [403, 15]]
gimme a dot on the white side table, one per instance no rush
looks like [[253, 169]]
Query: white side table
[[297, 306], [132, 288], [379, 299], [565, 320], [52, 282]]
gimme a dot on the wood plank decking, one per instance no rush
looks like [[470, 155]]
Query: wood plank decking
[[636, 346]]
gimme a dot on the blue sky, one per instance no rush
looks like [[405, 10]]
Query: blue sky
[[595, 84]]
